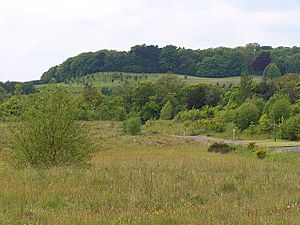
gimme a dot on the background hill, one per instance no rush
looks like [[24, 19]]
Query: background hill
[[212, 63]]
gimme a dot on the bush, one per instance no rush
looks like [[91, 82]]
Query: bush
[[246, 114], [272, 71], [251, 145], [207, 126], [261, 153], [132, 125], [220, 148], [290, 129], [166, 111], [48, 134], [193, 114]]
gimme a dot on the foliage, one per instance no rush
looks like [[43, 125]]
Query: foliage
[[166, 111], [132, 125], [280, 110], [219, 148], [264, 124], [193, 114], [92, 97], [272, 71], [261, 153], [198, 96], [277, 107], [206, 126], [11, 108], [288, 84], [212, 62], [251, 145], [290, 128], [246, 114], [48, 134], [246, 88]]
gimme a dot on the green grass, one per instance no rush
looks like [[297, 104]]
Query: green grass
[[104, 79], [151, 178]]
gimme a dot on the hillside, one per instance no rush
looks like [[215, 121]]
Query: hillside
[[115, 79], [211, 63]]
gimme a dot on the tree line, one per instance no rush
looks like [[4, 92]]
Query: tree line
[[270, 107], [213, 62]]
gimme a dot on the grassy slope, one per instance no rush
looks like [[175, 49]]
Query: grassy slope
[[152, 179], [105, 79]]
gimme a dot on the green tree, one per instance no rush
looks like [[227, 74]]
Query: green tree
[[246, 114], [150, 110], [272, 71], [168, 59], [142, 93], [264, 124], [280, 110], [290, 129], [132, 125], [92, 97], [246, 87], [166, 111], [48, 134], [214, 66]]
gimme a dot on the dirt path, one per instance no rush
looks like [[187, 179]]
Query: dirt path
[[208, 139]]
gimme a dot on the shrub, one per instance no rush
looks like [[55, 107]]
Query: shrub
[[132, 125], [196, 114], [251, 145], [193, 114], [290, 129], [264, 124], [166, 111], [207, 126], [220, 148], [246, 114], [261, 153], [272, 71], [48, 134]]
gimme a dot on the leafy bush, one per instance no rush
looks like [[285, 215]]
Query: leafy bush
[[290, 129], [246, 114], [195, 114], [251, 145], [261, 153], [220, 148], [166, 111], [207, 126], [12, 108], [272, 71], [264, 124], [48, 134], [132, 125]]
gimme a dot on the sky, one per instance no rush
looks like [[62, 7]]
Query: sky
[[38, 34]]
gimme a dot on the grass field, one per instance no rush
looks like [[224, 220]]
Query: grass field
[[152, 178], [114, 79]]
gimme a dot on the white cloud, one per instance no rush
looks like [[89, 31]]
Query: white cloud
[[36, 35]]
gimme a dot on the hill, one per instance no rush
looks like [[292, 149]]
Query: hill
[[211, 63]]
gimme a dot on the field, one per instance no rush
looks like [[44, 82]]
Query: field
[[152, 178], [114, 79]]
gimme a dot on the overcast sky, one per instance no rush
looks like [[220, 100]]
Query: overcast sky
[[38, 34]]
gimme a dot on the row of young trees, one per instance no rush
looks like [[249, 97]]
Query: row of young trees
[[213, 62]]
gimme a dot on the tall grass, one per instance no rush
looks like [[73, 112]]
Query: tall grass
[[152, 179]]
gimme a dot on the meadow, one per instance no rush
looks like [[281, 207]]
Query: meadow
[[115, 79], [152, 178]]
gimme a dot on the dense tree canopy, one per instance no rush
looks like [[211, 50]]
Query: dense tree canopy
[[212, 62]]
